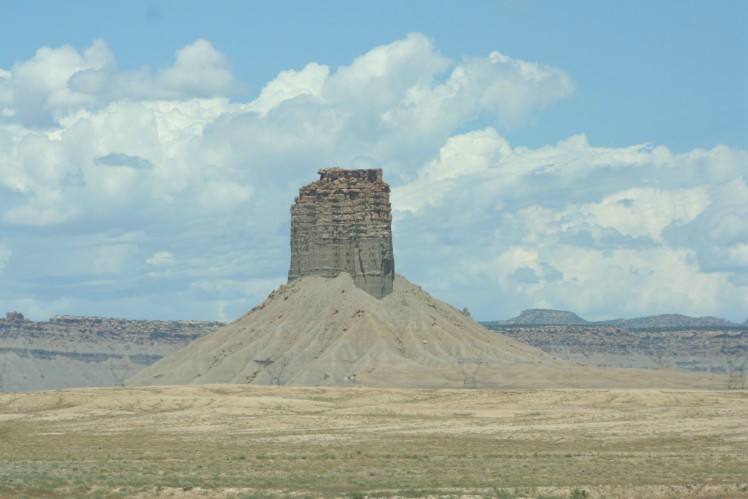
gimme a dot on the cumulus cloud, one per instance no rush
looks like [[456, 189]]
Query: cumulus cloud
[[199, 71], [398, 102], [291, 84], [124, 186], [511, 88], [719, 232], [57, 81], [634, 231], [34, 90]]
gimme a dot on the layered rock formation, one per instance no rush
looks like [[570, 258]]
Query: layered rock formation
[[67, 351], [700, 350], [344, 317], [343, 223]]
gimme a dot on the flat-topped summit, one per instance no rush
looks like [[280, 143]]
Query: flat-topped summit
[[546, 316], [343, 223]]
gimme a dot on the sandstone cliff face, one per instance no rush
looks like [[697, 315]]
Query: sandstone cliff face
[[343, 223]]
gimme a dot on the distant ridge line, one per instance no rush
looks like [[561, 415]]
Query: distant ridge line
[[550, 317]]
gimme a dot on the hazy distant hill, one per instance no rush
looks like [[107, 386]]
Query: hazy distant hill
[[669, 321], [93, 351], [548, 317], [541, 316], [691, 349], [71, 351], [704, 344]]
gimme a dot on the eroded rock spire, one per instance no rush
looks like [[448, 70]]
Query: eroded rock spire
[[343, 223]]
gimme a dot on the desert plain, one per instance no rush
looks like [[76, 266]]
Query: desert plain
[[354, 441]]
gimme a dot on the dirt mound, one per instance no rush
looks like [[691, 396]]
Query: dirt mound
[[321, 331]]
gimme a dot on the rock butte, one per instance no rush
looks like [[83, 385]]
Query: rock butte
[[343, 223], [344, 317]]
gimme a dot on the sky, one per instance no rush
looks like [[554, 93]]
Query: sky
[[583, 156]]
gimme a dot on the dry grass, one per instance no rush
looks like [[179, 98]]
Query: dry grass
[[224, 440]]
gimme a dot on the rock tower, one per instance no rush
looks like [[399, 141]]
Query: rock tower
[[343, 223]]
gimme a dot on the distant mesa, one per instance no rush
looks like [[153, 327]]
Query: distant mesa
[[343, 223], [14, 316], [549, 317], [541, 316]]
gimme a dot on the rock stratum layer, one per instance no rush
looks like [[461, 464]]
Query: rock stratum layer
[[343, 223], [344, 317], [67, 351]]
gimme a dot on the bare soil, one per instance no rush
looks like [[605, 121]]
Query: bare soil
[[316, 332]]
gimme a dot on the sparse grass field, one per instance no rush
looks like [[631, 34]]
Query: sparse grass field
[[234, 441]]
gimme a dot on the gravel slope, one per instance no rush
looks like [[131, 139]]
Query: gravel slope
[[319, 331]]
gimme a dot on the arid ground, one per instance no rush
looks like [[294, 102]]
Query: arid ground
[[247, 441]]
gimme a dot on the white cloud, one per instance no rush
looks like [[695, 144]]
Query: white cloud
[[468, 154], [5, 255], [632, 282], [120, 171], [602, 231], [473, 154], [59, 81], [199, 71], [509, 87], [169, 153], [289, 85], [160, 258], [387, 75], [718, 234], [34, 90], [643, 212]]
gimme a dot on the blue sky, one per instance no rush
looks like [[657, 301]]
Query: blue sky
[[588, 156]]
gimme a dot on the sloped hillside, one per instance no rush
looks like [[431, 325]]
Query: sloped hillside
[[320, 331]]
